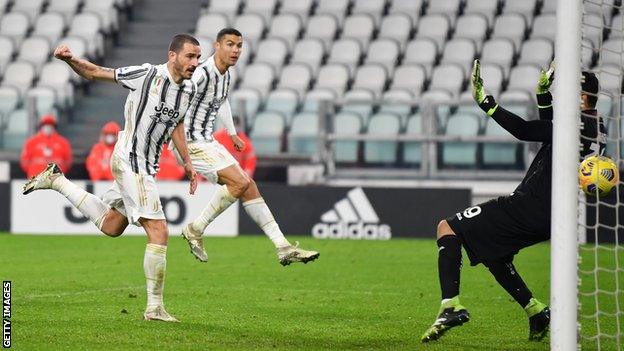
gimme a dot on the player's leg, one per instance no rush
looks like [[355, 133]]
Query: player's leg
[[259, 212], [109, 221], [155, 266], [451, 313], [508, 277]]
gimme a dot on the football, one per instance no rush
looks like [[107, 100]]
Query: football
[[598, 175]]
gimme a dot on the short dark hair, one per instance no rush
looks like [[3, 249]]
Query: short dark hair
[[225, 31], [179, 40], [590, 87]]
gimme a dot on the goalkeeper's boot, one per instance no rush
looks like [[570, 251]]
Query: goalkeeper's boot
[[158, 313], [195, 241], [43, 180], [451, 314], [539, 319], [289, 254]]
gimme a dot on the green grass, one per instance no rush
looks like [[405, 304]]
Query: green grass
[[87, 293]]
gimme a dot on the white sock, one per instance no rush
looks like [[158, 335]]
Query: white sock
[[90, 205], [258, 210], [155, 265], [221, 200]]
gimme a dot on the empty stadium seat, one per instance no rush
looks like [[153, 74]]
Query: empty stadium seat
[[461, 52], [315, 98], [229, 8], [499, 51], [7, 49], [57, 75], [322, 27], [412, 150], [396, 27], [347, 123], [49, 25], [86, 25], [346, 52], [300, 8], [374, 8], [511, 26], [297, 77], [304, 134], [549, 6], [544, 26], [19, 74], [273, 52], [17, 130], [31, 8], [359, 27], [263, 8], [610, 78], [449, 8], [44, 98], [486, 8], [524, 77], [67, 8], [284, 101], [537, 51], [336, 8], [333, 77], [461, 154], [496, 155], [266, 134], [423, 52], [387, 124], [409, 77], [384, 52], [15, 26], [9, 99], [372, 77], [398, 101], [525, 8], [247, 102], [435, 27], [35, 50], [411, 8], [286, 27], [592, 28], [493, 77], [107, 12], [310, 52], [449, 77], [258, 76], [253, 26], [472, 26], [587, 53], [209, 24], [359, 101], [206, 45]]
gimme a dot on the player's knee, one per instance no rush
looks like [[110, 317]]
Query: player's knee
[[241, 184], [444, 229]]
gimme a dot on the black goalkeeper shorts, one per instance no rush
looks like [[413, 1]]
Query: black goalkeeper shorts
[[489, 232]]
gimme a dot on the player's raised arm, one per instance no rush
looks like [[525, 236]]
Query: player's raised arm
[[179, 140], [83, 67], [524, 130], [544, 98]]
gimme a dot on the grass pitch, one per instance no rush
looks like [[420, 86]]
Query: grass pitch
[[88, 293]]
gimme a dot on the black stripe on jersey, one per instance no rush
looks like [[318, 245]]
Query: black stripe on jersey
[[201, 98], [161, 140], [152, 127], [130, 75], [227, 90], [142, 102], [209, 111]]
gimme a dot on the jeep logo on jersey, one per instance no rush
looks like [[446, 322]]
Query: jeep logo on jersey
[[162, 112], [352, 218]]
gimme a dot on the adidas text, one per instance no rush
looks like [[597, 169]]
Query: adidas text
[[360, 230]]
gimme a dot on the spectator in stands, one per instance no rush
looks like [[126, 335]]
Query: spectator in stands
[[44, 147], [169, 167], [246, 157], [98, 161]]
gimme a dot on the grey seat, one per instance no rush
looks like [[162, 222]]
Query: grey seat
[[337, 8], [322, 27], [409, 77], [384, 52], [523, 77], [472, 26], [304, 134], [511, 26], [49, 25], [449, 77], [387, 124], [310, 52], [272, 51], [207, 46], [284, 101], [486, 8], [15, 26], [245, 102], [300, 8], [493, 77], [297, 77], [549, 6], [67, 8], [359, 27], [359, 101], [264, 8], [267, 131], [411, 8], [346, 52], [396, 27], [496, 155], [9, 99], [258, 76], [57, 76], [7, 49], [413, 151], [87, 26], [286, 27], [209, 24], [610, 78], [372, 77], [17, 130], [461, 52], [252, 25], [398, 101], [45, 99], [347, 123], [449, 8], [333, 77], [435, 27], [374, 8], [537, 52], [592, 28], [107, 11], [499, 51], [316, 97], [35, 50], [526, 8], [460, 154], [19, 74], [422, 52], [31, 8], [229, 8], [544, 26]]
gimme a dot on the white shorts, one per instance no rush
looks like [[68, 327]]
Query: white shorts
[[208, 157], [134, 195]]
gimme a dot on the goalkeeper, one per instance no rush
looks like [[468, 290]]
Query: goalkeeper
[[494, 231]]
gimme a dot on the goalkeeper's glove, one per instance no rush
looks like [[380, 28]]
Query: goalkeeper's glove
[[545, 79], [478, 92]]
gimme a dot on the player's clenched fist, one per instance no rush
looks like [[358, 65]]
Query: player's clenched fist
[[62, 52]]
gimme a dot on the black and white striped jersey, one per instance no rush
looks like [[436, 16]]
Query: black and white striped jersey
[[154, 107], [211, 98]]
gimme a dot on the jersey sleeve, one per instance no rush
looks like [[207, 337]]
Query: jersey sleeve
[[131, 77], [225, 113]]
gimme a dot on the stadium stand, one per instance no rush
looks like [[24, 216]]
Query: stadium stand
[[368, 59]]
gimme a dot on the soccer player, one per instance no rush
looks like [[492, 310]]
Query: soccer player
[[212, 160], [158, 98], [494, 231]]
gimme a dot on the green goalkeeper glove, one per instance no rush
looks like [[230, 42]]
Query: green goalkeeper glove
[[478, 92], [545, 79]]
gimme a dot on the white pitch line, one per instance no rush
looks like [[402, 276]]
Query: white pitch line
[[82, 292]]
